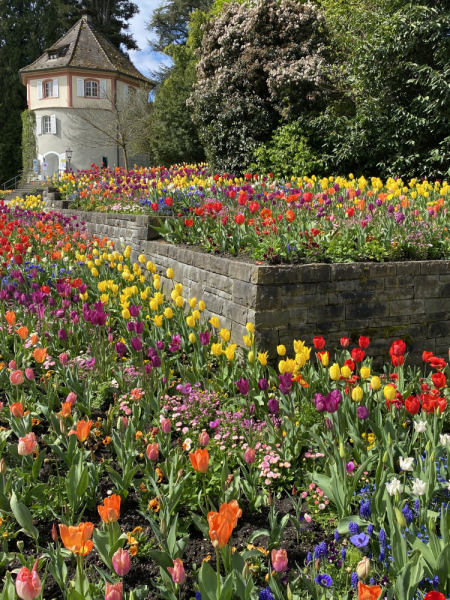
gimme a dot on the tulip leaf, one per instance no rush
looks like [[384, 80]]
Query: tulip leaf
[[207, 580], [9, 591], [227, 588], [200, 524], [83, 483], [101, 542], [23, 517], [162, 558]]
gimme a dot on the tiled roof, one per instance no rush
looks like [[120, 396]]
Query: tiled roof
[[86, 48]]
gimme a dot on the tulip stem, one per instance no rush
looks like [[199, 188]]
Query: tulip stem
[[218, 572], [206, 495]]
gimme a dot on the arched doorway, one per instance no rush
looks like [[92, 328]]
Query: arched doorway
[[52, 160]]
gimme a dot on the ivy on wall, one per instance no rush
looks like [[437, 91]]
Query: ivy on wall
[[29, 149]]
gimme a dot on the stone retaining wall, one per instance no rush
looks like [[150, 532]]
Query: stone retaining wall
[[385, 301]]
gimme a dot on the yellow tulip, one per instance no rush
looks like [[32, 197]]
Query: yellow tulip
[[102, 286], [153, 305], [365, 372], [94, 272], [97, 262], [196, 315], [357, 394], [225, 335], [168, 313], [126, 314], [190, 321], [375, 383], [201, 305], [346, 372], [281, 350], [179, 301], [250, 327], [127, 252], [174, 294], [104, 298], [247, 341], [325, 359], [192, 302], [150, 266], [158, 319], [120, 267], [251, 357], [141, 258], [300, 359], [215, 322], [262, 358], [335, 372], [170, 274], [191, 337], [144, 295], [157, 284], [230, 350], [90, 264], [95, 252], [179, 287], [389, 392], [159, 298], [216, 349]]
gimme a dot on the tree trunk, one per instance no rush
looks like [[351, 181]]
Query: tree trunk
[[125, 157]]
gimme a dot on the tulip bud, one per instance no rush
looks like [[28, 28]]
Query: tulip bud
[[251, 357], [62, 427], [249, 456], [341, 449], [120, 425], [246, 571], [269, 499], [400, 518], [2, 466], [20, 546], [166, 425], [349, 570], [163, 526], [363, 568], [431, 525], [63, 358], [294, 491], [180, 474], [203, 438], [385, 457], [54, 533], [289, 593]]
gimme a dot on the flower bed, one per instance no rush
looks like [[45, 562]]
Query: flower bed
[[141, 457], [306, 220]]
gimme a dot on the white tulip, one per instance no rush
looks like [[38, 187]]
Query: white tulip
[[420, 426], [406, 464], [444, 438], [419, 487], [394, 486]]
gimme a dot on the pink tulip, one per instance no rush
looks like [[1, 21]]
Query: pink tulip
[[1, 406], [16, 378], [177, 572], [203, 438], [63, 358], [279, 560], [113, 592], [13, 365], [28, 584], [27, 444], [153, 451], [125, 421], [166, 425], [308, 519], [249, 456], [304, 494], [29, 374], [72, 398], [121, 562]]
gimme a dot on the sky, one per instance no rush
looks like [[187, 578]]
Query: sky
[[144, 60]]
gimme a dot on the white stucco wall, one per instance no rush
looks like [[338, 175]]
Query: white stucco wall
[[60, 101]]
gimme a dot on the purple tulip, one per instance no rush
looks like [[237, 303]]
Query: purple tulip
[[274, 406], [160, 345], [320, 402], [242, 386], [328, 423], [134, 310], [120, 349], [285, 383], [175, 344], [148, 368], [131, 326], [137, 344], [263, 384], [156, 361], [362, 412], [204, 338], [139, 328], [62, 334]]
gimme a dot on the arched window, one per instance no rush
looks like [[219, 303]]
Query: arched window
[[47, 125], [91, 89]]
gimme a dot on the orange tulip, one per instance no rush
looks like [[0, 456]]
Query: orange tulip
[[110, 512], [220, 529], [83, 429], [368, 592], [232, 511], [66, 409], [10, 316], [17, 409], [221, 524], [199, 460], [34, 339], [22, 332], [77, 539], [40, 354]]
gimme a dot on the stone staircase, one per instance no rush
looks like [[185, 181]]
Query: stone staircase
[[30, 188]]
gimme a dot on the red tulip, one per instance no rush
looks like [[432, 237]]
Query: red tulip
[[358, 355], [364, 342], [412, 405], [439, 380], [426, 356], [345, 342], [398, 348], [397, 361], [319, 342], [239, 219]]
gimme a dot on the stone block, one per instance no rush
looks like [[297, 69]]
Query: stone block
[[408, 268], [367, 311], [435, 267], [440, 329], [267, 297], [326, 313], [244, 293], [425, 286]]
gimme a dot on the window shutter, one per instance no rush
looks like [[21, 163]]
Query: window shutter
[[53, 122], [125, 90], [39, 125], [103, 89], [39, 90], [55, 88], [80, 87]]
